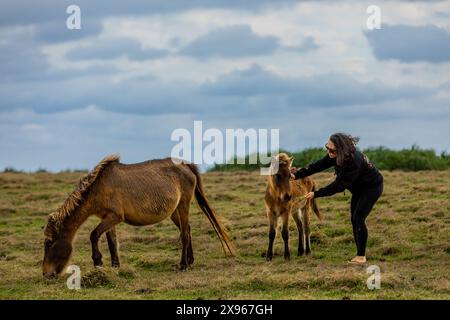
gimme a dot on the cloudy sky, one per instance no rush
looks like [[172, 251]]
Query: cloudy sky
[[137, 71]]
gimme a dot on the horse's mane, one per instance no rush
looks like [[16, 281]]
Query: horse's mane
[[75, 198]]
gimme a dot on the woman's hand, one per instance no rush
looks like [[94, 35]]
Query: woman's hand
[[293, 172], [309, 195]]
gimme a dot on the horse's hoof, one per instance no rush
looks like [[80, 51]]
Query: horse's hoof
[[268, 258], [115, 265], [300, 253], [287, 258], [98, 263], [182, 268]]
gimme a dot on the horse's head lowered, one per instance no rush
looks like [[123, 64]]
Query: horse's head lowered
[[280, 179], [57, 251]]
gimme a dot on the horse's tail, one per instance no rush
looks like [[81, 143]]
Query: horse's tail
[[203, 203], [314, 205]]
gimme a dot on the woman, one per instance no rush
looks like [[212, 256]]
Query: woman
[[353, 172]]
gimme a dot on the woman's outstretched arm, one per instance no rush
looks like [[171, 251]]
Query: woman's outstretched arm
[[320, 165]]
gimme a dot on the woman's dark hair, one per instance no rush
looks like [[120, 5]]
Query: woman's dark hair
[[345, 146]]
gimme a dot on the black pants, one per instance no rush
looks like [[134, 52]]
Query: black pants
[[362, 203]]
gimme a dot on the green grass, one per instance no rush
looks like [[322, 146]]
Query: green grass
[[409, 230]]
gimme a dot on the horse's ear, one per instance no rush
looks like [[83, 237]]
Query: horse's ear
[[291, 159]]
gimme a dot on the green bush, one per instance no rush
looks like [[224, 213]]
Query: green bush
[[11, 170], [413, 159]]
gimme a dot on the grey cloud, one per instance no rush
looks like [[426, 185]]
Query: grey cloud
[[56, 30], [231, 42], [410, 43], [318, 90], [239, 41], [113, 48], [23, 61], [239, 93], [138, 96], [48, 17], [23, 12]]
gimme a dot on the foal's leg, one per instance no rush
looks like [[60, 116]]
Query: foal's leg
[[190, 253], [305, 219], [301, 245], [113, 245], [107, 223], [273, 221], [285, 234]]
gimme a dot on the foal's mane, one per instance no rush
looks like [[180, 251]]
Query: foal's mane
[[283, 158], [74, 200]]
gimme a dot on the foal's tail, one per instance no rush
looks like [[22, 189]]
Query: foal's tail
[[203, 203], [315, 207]]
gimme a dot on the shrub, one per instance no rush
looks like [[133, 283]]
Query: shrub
[[11, 170]]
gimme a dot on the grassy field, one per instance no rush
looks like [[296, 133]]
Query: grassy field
[[409, 232]]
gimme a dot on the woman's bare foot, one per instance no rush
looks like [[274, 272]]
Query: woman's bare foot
[[359, 259]]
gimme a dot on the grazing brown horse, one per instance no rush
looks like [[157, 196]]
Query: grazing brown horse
[[138, 194], [285, 196]]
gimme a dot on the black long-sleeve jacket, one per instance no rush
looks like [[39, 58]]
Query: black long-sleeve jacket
[[356, 174]]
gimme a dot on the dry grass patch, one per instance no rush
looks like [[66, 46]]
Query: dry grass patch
[[409, 230]]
